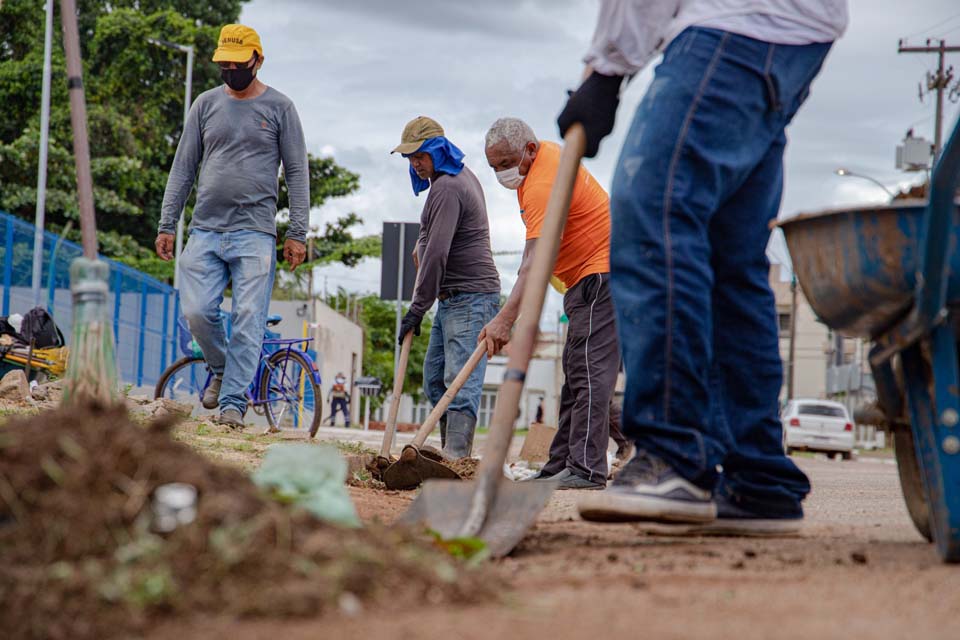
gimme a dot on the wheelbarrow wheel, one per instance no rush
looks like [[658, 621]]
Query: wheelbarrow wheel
[[911, 482]]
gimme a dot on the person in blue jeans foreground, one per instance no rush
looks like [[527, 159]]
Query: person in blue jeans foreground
[[698, 182], [455, 266], [237, 135]]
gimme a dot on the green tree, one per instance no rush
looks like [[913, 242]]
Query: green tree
[[378, 319], [134, 93]]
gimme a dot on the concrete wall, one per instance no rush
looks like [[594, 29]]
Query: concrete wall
[[812, 344], [339, 345]]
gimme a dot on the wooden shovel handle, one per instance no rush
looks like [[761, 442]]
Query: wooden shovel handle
[[431, 422], [398, 378], [525, 333]]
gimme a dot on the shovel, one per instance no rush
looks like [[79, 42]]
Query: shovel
[[493, 508], [383, 460], [418, 463]]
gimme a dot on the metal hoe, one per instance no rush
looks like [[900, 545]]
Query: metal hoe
[[418, 463], [493, 508]]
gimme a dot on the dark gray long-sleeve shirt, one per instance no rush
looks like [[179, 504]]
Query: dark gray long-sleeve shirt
[[238, 146], [454, 242]]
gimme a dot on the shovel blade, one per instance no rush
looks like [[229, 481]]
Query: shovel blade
[[443, 506], [412, 469]]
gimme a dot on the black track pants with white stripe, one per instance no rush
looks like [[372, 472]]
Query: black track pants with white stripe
[[591, 359]]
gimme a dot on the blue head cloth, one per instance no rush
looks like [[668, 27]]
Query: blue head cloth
[[447, 158]]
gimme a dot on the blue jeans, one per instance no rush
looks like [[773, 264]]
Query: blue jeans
[[453, 338], [698, 181], [209, 261]]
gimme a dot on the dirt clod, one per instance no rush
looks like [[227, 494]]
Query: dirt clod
[[858, 557], [78, 559], [466, 468]]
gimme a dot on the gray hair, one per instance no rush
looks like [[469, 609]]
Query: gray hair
[[514, 131]]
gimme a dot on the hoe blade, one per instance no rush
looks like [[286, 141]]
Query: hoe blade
[[443, 506], [413, 468]]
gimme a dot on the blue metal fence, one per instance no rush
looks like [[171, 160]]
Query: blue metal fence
[[144, 309]]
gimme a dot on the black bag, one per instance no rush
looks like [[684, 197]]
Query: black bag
[[38, 325]]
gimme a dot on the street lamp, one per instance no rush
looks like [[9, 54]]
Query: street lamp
[[187, 49], [846, 172]]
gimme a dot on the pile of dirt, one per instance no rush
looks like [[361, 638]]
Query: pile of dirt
[[466, 468], [78, 558]]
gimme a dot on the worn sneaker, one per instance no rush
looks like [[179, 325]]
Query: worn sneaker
[[649, 490], [734, 520], [211, 395], [571, 480], [231, 418]]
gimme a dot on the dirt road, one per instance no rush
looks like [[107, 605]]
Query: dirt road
[[858, 571]]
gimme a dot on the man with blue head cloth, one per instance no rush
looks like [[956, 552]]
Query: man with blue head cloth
[[455, 267]]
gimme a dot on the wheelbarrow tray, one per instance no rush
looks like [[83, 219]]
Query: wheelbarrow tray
[[857, 266]]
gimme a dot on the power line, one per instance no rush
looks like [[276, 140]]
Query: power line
[[935, 25]]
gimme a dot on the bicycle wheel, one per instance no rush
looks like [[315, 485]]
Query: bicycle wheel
[[184, 381], [289, 394]]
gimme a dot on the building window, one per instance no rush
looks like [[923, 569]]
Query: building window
[[488, 400], [783, 321], [421, 409]]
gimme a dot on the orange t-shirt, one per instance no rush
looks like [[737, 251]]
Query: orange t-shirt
[[585, 246]]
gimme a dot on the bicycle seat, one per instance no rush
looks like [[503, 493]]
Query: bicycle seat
[[273, 320]]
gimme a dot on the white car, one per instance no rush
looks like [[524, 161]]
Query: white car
[[817, 425]]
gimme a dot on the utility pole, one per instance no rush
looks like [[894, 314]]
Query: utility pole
[[791, 377], [310, 294], [938, 82]]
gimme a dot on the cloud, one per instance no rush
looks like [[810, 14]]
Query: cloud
[[359, 70]]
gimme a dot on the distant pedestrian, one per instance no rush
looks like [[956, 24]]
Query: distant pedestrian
[[339, 398], [455, 266], [539, 416], [237, 135]]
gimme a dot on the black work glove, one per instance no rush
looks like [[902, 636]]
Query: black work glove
[[594, 105], [410, 322]]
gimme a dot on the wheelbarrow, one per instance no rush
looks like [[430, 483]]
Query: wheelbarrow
[[891, 275]]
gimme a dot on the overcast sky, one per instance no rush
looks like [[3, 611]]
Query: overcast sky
[[359, 70]]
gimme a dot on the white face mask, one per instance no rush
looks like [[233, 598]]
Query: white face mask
[[511, 178]]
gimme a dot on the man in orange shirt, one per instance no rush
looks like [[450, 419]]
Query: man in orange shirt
[[591, 356]]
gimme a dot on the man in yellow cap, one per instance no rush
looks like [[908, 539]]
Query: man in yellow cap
[[237, 135], [455, 266]]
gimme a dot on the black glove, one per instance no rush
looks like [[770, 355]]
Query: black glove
[[594, 105], [410, 322]]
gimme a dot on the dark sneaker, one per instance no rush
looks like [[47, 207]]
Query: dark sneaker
[[211, 395], [649, 490], [231, 418], [734, 520], [573, 481]]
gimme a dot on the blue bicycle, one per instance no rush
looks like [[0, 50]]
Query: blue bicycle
[[285, 390]]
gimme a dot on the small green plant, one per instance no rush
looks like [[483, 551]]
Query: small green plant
[[471, 550]]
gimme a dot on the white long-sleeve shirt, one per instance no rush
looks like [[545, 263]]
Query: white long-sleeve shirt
[[630, 33]]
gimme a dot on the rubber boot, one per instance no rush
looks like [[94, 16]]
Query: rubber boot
[[460, 430]]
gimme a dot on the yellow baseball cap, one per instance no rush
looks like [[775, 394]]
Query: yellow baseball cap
[[416, 132], [237, 43]]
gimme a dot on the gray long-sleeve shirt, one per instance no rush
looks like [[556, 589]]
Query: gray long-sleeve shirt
[[238, 146], [454, 242]]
